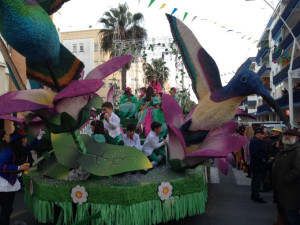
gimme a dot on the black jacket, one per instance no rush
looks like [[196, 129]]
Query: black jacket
[[286, 177], [258, 155]]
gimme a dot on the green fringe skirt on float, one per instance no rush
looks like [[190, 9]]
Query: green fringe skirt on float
[[134, 199]]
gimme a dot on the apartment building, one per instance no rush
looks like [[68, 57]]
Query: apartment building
[[273, 61]]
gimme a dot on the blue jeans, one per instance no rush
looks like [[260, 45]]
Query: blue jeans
[[293, 217]]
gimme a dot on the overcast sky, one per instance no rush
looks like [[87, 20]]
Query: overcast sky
[[228, 49]]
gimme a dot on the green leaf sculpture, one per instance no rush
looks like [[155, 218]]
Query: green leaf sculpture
[[52, 168], [101, 159], [105, 159]]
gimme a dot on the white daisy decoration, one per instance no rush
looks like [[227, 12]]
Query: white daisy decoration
[[165, 190], [79, 194]]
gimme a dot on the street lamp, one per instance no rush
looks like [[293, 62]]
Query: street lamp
[[290, 71]]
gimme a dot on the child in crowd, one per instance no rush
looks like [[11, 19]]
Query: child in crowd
[[152, 146], [98, 132], [111, 124], [131, 138]]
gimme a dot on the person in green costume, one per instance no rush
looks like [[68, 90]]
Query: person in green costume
[[146, 104], [98, 132], [158, 116], [142, 95], [173, 94], [127, 104]]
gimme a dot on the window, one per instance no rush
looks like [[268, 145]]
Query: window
[[81, 48], [95, 47], [75, 48]]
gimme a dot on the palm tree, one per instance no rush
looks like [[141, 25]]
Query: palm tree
[[158, 68], [129, 27]]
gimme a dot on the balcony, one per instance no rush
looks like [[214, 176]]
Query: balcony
[[283, 74], [287, 42], [283, 102], [263, 70], [261, 53], [285, 15]]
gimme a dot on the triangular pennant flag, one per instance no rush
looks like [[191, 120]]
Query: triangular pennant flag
[[276, 50], [255, 41], [223, 27], [229, 30], [194, 18], [282, 51], [238, 32], [151, 2], [162, 6], [243, 36], [174, 10], [185, 15], [280, 59], [267, 62], [274, 61], [249, 38]]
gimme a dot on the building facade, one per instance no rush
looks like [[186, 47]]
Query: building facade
[[273, 61], [86, 45]]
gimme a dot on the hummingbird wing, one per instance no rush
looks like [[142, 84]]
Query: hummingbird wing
[[51, 6], [200, 66]]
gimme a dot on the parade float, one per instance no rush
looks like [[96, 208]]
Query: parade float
[[108, 190]]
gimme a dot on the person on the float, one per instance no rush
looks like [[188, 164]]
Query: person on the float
[[155, 91], [155, 84], [142, 95], [127, 104], [160, 95], [152, 148], [173, 94], [98, 132], [111, 124], [148, 119], [12, 162], [131, 138], [158, 116], [146, 104]]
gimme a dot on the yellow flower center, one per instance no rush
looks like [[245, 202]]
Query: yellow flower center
[[166, 190], [78, 194]]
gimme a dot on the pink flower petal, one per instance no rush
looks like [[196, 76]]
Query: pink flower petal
[[172, 111], [189, 116], [110, 93], [79, 88], [109, 67], [222, 165], [230, 158], [176, 144]]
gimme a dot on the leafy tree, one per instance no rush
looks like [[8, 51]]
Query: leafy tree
[[158, 68], [129, 27]]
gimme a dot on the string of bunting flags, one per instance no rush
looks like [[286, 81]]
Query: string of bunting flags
[[203, 19]]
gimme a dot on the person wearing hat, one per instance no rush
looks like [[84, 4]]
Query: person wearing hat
[[286, 177], [127, 104], [258, 163], [12, 162], [155, 84]]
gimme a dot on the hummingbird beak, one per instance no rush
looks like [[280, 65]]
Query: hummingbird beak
[[271, 102]]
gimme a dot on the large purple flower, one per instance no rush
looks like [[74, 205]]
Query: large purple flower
[[219, 143], [71, 100]]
